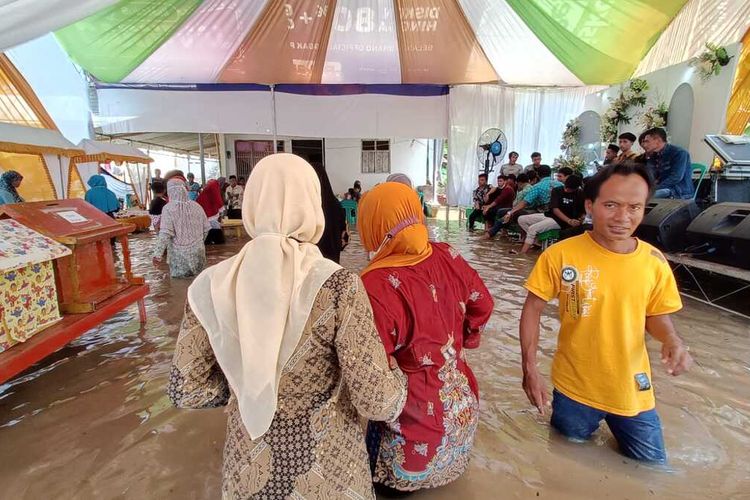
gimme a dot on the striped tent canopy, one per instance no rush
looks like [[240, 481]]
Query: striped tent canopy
[[516, 42]]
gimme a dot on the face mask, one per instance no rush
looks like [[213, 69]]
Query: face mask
[[393, 232]]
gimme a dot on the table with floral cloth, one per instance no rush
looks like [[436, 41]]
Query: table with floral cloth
[[28, 296]]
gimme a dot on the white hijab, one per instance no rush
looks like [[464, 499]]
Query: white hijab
[[254, 306]]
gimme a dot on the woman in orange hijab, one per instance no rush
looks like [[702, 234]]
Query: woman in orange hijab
[[429, 305]]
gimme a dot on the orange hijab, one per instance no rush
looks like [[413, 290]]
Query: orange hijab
[[391, 223]]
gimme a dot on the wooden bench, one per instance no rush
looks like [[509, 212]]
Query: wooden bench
[[233, 225]]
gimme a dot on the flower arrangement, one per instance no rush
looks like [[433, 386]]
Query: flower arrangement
[[710, 62], [574, 161], [655, 116], [571, 135], [632, 95]]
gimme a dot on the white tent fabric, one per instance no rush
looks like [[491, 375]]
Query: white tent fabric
[[139, 178], [58, 168], [24, 20], [510, 44], [363, 44], [722, 22], [30, 136], [120, 188], [251, 112], [108, 148], [86, 170], [532, 119], [197, 54]]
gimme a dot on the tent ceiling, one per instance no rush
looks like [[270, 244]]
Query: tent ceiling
[[178, 142], [520, 42]]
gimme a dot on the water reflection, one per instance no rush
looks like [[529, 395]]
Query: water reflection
[[93, 421]]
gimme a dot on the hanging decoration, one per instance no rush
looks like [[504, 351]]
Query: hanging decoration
[[634, 95], [655, 116], [710, 62]]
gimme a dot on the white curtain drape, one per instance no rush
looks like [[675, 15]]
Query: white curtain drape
[[58, 167], [717, 21], [533, 119], [138, 173]]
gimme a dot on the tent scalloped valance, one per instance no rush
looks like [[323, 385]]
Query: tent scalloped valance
[[32, 149], [107, 157]]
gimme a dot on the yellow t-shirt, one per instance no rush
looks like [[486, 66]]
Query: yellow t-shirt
[[605, 297]]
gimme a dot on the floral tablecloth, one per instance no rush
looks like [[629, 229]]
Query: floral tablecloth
[[21, 246], [28, 296]]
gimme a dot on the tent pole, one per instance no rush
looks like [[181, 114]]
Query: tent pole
[[62, 179], [203, 159], [275, 131]]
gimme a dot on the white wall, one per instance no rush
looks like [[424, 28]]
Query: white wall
[[343, 160], [709, 111]]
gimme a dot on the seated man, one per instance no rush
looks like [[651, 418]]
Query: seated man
[[563, 173], [511, 168], [523, 186], [537, 198], [610, 154], [612, 289], [670, 165], [536, 162], [499, 198], [566, 210], [626, 142], [479, 195]]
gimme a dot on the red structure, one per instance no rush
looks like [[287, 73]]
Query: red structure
[[88, 285]]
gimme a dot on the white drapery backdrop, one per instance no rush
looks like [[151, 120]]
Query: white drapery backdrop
[[533, 119]]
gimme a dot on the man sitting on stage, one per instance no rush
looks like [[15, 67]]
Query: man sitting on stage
[[611, 287], [669, 164]]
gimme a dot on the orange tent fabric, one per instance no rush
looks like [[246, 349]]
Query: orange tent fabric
[[738, 110]]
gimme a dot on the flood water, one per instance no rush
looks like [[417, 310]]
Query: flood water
[[94, 421]]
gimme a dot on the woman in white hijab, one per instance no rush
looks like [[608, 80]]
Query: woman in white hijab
[[182, 230], [286, 338]]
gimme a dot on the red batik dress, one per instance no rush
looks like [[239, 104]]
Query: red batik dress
[[426, 315]]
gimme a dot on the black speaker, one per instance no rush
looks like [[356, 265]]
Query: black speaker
[[665, 222], [725, 228]]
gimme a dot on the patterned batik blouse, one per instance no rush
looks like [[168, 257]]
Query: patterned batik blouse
[[338, 374]]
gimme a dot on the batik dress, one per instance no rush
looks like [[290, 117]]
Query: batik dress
[[338, 373], [426, 316]]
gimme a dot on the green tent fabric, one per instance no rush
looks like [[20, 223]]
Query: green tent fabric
[[114, 41], [600, 41]]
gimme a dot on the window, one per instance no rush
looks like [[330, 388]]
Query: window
[[248, 153], [376, 157]]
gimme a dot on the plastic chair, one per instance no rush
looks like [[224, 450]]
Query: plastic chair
[[703, 170], [351, 211], [548, 238]]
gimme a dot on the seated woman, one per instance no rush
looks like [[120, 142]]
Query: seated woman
[[213, 206], [10, 181], [183, 228], [101, 197], [285, 338], [429, 306]]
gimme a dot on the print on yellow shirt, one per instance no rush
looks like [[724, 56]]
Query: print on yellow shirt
[[605, 297]]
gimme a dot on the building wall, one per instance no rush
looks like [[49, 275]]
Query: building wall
[[710, 101], [343, 160]]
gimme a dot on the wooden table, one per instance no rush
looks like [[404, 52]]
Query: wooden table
[[234, 225]]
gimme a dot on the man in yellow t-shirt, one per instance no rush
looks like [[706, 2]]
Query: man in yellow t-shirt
[[612, 288]]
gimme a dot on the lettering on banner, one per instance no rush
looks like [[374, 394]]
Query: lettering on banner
[[363, 20], [293, 19], [420, 19]]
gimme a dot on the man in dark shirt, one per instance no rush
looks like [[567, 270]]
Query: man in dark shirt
[[157, 204], [479, 194], [566, 209], [670, 166]]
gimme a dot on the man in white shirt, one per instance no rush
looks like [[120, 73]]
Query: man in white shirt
[[512, 167], [234, 198]]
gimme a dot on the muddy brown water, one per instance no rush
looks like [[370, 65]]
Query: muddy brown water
[[93, 420]]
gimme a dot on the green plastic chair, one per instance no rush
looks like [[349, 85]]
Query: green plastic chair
[[351, 211], [548, 238], [703, 170]]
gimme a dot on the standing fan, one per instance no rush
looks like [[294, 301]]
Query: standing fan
[[491, 149]]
